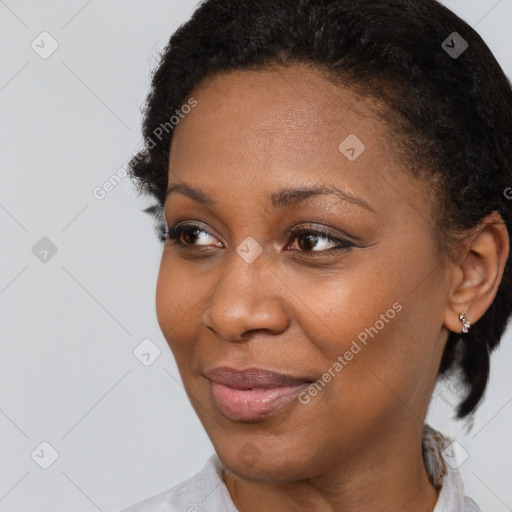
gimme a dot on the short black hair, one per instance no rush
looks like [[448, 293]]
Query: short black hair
[[452, 111]]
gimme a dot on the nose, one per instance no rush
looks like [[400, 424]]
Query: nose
[[248, 298]]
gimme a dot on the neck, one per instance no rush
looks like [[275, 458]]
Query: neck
[[389, 477]]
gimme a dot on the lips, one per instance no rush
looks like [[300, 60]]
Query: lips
[[250, 394], [252, 378]]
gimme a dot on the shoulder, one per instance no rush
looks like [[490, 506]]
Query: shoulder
[[204, 491]]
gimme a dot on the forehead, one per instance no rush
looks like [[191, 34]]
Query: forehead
[[260, 131], [292, 108]]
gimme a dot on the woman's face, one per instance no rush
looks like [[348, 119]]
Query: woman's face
[[357, 306]]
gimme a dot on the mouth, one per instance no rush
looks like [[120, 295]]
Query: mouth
[[253, 393]]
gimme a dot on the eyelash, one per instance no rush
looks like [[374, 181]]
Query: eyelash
[[173, 234]]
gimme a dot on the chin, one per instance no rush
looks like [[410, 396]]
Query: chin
[[263, 459]]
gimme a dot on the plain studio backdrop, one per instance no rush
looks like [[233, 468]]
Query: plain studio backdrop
[[87, 422]]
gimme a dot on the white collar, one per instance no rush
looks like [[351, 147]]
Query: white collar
[[445, 476]]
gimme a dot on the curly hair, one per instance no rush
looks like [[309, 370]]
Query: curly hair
[[453, 113]]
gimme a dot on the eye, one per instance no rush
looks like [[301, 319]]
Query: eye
[[189, 235], [314, 240], [308, 239]]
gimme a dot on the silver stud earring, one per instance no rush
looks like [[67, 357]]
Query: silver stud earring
[[465, 324]]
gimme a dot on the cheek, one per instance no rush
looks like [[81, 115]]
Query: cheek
[[177, 297], [336, 308], [382, 321]]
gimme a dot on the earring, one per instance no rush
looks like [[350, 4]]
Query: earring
[[465, 324]]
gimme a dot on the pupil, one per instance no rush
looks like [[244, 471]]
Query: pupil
[[190, 236], [311, 241]]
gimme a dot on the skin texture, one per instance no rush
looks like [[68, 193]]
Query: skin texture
[[357, 444]]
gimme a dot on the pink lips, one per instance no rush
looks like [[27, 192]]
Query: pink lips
[[252, 393]]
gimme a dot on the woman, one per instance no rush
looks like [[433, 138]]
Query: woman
[[331, 180]]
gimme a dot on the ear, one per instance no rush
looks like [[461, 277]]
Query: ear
[[477, 271]]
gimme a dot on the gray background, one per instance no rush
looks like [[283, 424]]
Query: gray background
[[69, 324]]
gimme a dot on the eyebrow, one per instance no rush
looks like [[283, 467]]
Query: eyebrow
[[284, 198]]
